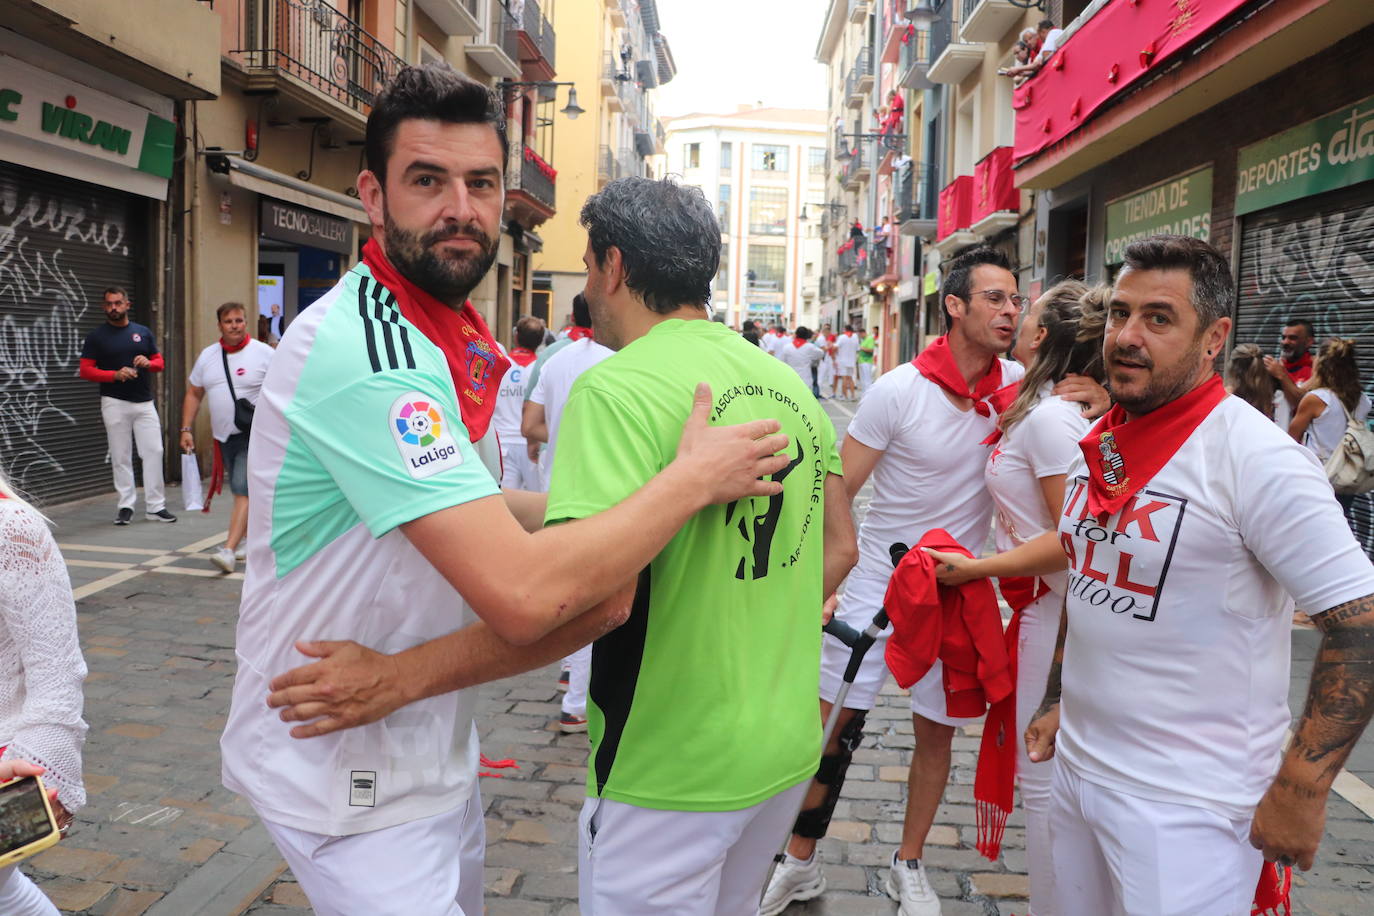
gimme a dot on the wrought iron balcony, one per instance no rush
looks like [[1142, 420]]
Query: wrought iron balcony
[[607, 168], [537, 178], [315, 44], [860, 79], [537, 42]]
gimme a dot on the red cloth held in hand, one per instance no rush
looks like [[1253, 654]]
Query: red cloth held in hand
[[961, 626]]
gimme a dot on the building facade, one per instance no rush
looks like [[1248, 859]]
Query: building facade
[[625, 59], [763, 171], [215, 158]]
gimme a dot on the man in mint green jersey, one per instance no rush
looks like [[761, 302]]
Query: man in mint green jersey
[[702, 712], [380, 537]]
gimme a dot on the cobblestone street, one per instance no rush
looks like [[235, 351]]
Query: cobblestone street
[[161, 835]]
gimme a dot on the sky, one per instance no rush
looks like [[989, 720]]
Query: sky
[[736, 52]]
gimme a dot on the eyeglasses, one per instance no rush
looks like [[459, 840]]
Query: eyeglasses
[[996, 297]]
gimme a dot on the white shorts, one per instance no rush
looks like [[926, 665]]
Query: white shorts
[[679, 863], [429, 867], [863, 597], [844, 369], [1119, 855]]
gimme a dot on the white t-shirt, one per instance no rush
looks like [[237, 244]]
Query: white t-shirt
[[357, 431], [1324, 433], [1043, 443], [929, 476], [847, 349], [510, 402], [802, 359], [554, 385], [1177, 662], [1051, 44], [249, 368]]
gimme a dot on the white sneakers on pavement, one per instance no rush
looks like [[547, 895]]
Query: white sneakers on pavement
[[794, 880], [908, 885], [224, 559]]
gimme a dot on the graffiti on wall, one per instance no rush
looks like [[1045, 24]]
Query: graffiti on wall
[[43, 315]]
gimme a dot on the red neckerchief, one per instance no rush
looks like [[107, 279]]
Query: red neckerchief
[[1272, 893], [936, 362], [1000, 400], [1300, 369], [474, 360], [523, 356], [798, 342], [577, 332], [228, 349], [1124, 456]]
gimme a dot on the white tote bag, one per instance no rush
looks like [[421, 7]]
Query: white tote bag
[[192, 494]]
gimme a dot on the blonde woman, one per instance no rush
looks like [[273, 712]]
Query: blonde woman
[[1332, 395], [41, 671], [1060, 335], [1248, 379]]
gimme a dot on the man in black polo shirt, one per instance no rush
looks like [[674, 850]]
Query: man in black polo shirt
[[119, 355]]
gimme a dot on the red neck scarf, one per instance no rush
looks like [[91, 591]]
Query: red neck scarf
[[1299, 369], [474, 360], [1122, 457], [241, 344], [577, 332], [522, 356], [798, 342], [936, 362]]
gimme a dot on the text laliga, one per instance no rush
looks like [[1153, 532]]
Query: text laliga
[[433, 455]]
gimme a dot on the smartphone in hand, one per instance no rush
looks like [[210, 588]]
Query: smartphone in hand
[[27, 823]]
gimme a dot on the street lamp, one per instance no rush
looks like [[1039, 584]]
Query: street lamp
[[509, 88]]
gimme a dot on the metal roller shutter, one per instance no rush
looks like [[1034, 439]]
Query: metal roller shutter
[[1313, 259], [62, 242]]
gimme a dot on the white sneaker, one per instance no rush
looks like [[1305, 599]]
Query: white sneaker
[[794, 880], [907, 884], [224, 559], [241, 551]]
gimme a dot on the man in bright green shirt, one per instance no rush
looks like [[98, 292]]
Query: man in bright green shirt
[[867, 346], [703, 718]]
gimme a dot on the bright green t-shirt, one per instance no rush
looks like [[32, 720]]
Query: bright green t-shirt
[[866, 348], [705, 700]]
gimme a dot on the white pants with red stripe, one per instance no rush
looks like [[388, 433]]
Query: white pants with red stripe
[[428, 867], [679, 863], [1119, 855]]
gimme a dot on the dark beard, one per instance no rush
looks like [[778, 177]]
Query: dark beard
[[1162, 390], [449, 279]]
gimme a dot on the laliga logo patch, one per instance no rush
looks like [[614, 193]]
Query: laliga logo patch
[[422, 436], [1113, 466]]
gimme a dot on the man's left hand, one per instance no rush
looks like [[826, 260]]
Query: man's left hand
[[141, 362], [1086, 391], [1288, 824], [350, 685]]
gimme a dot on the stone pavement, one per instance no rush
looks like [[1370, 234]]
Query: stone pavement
[[161, 836]]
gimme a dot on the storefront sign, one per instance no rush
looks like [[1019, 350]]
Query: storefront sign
[[43, 106], [1178, 206], [304, 226], [1324, 154]]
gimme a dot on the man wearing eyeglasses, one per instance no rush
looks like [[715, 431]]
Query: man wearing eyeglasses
[[920, 433]]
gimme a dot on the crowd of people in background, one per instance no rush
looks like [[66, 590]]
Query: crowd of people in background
[[834, 366]]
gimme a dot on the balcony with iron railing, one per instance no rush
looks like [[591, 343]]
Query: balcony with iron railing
[[892, 25], [913, 63], [536, 43], [950, 60], [859, 81], [914, 198], [607, 168], [878, 263], [989, 20], [858, 11], [454, 17], [498, 51], [537, 180], [631, 164], [314, 57]]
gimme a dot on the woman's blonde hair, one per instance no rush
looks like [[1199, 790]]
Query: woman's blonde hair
[[1336, 368], [1074, 318], [1248, 380]]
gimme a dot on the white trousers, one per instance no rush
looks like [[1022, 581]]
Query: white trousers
[[1119, 855], [825, 376], [1035, 654], [518, 472], [639, 861], [579, 676], [865, 377], [125, 424], [21, 897], [429, 867]]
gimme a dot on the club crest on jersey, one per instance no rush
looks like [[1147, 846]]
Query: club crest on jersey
[[1113, 465], [480, 358], [423, 435]]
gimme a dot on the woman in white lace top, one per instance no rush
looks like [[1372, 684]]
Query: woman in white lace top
[[41, 670]]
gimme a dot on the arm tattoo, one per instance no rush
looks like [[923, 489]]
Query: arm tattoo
[[1053, 685], [1340, 699]]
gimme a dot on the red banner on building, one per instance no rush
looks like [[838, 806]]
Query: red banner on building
[[1112, 51], [994, 185], [956, 207]]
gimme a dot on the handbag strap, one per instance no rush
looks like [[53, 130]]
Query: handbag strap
[[227, 377]]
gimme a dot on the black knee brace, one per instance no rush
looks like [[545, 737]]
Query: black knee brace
[[814, 822]]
